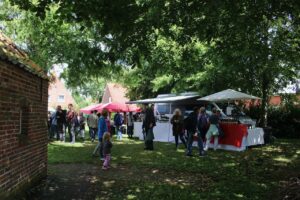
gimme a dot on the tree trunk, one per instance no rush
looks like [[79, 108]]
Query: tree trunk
[[264, 101]]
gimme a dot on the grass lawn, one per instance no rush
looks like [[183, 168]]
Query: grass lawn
[[168, 174]]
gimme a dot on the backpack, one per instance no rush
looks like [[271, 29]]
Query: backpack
[[118, 120]]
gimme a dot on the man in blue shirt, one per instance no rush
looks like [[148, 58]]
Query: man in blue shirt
[[118, 123]]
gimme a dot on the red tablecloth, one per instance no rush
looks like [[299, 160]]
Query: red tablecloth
[[233, 134]]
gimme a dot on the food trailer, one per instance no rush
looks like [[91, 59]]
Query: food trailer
[[164, 105], [240, 131]]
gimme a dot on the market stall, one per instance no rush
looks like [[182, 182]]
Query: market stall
[[235, 137], [240, 132], [162, 132], [118, 107], [89, 109], [164, 107]]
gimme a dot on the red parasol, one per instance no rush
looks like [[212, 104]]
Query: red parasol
[[133, 108], [89, 109], [121, 107]]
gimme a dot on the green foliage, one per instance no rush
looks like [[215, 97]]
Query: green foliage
[[84, 89], [80, 101], [285, 123], [283, 119], [53, 41], [169, 67], [176, 45], [254, 111]]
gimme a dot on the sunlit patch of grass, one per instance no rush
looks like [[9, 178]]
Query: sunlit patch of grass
[[180, 150], [229, 164], [282, 159], [239, 195], [263, 185], [130, 196], [68, 144], [273, 149], [126, 157], [109, 183]]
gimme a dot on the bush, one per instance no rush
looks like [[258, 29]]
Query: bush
[[285, 121]]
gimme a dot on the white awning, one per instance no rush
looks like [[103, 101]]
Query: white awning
[[227, 95], [164, 99]]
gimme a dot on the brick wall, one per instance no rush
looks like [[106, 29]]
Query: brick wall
[[58, 88], [23, 157], [106, 96]]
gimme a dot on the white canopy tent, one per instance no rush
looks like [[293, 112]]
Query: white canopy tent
[[163, 129], [255, 136], [170, 98], [227, 95]]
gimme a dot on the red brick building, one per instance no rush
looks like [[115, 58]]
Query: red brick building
[[114, 92], [23, 120], [59, 95]]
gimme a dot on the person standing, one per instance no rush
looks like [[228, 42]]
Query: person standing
[[60, 118], [142, 118], [118, 124], [87, 122], [178, 129], [191, 123], [213, 130], [93, 124], [202, 129], [130, 125], [70, 122], [108, 124], [102, 128], [74, 127], [149, 123], [81, 120], [50, 134], [53, 126]]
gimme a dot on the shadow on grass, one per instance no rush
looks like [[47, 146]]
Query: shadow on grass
[[252, 174]]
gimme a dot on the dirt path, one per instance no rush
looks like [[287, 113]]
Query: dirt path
[[88, 181]]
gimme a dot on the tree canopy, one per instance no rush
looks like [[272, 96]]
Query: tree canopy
[[163, 46]]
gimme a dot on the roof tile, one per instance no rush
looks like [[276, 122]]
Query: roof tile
[[117, 92], [9, 51]]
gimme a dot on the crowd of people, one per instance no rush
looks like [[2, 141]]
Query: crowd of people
[[61, 122], [100, 127], [198, 123]]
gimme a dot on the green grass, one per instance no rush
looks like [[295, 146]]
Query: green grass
[[252, 174]]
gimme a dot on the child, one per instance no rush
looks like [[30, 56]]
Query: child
[[107, 145]]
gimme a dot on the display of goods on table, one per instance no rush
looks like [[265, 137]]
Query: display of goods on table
[[236, 135]]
